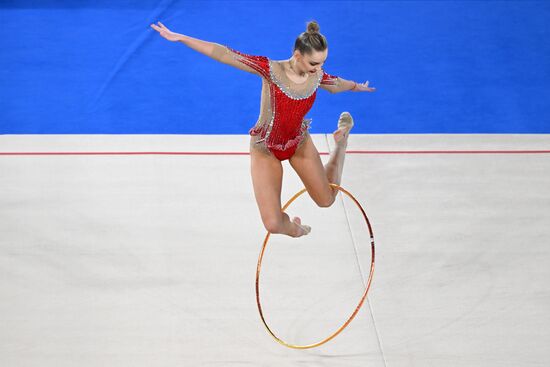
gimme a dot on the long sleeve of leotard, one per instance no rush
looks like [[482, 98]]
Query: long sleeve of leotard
[[253, 64]]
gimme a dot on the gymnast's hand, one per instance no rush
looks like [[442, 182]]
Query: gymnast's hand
[[363, 87], [165, 32]]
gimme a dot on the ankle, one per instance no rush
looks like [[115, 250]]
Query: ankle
[[342, 143]]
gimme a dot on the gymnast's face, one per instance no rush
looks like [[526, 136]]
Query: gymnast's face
[[311, 63]]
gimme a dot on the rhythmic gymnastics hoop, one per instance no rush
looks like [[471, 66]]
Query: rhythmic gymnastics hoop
[[361, 301]]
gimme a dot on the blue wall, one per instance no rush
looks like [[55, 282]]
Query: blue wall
[[86, 67]]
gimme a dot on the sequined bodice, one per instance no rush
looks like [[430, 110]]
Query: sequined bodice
[[284, 106], [284, 103]]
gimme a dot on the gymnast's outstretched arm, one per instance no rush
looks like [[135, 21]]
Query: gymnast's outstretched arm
[[343, 85], [210, 49]]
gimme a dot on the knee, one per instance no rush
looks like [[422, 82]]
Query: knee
[[273, 224], [325, 202]]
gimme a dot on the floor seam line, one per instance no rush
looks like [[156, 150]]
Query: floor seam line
[[378, 339], [360, 269]]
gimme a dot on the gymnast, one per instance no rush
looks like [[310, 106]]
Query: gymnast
[[289, 88]]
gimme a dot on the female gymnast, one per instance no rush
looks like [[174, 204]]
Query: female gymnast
[[289, 88]]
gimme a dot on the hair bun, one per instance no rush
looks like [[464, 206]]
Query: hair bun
[[313, 27], [310, 40]]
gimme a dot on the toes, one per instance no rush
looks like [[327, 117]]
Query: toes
[[304, 230]]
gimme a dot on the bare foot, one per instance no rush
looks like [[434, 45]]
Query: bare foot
[[302, 229], [345, 124]]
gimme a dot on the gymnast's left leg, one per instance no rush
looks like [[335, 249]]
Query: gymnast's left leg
[[316, 178]]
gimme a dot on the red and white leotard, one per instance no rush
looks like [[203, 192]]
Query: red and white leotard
[[281, 125]]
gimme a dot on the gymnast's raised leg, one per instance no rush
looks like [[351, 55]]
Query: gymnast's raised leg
[[316, 177]]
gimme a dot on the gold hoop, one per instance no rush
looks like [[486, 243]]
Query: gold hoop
[[361, 301]]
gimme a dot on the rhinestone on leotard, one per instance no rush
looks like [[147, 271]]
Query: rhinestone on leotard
[[281, 125]]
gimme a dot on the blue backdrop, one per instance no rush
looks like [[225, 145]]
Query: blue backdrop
[[86, 67]]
